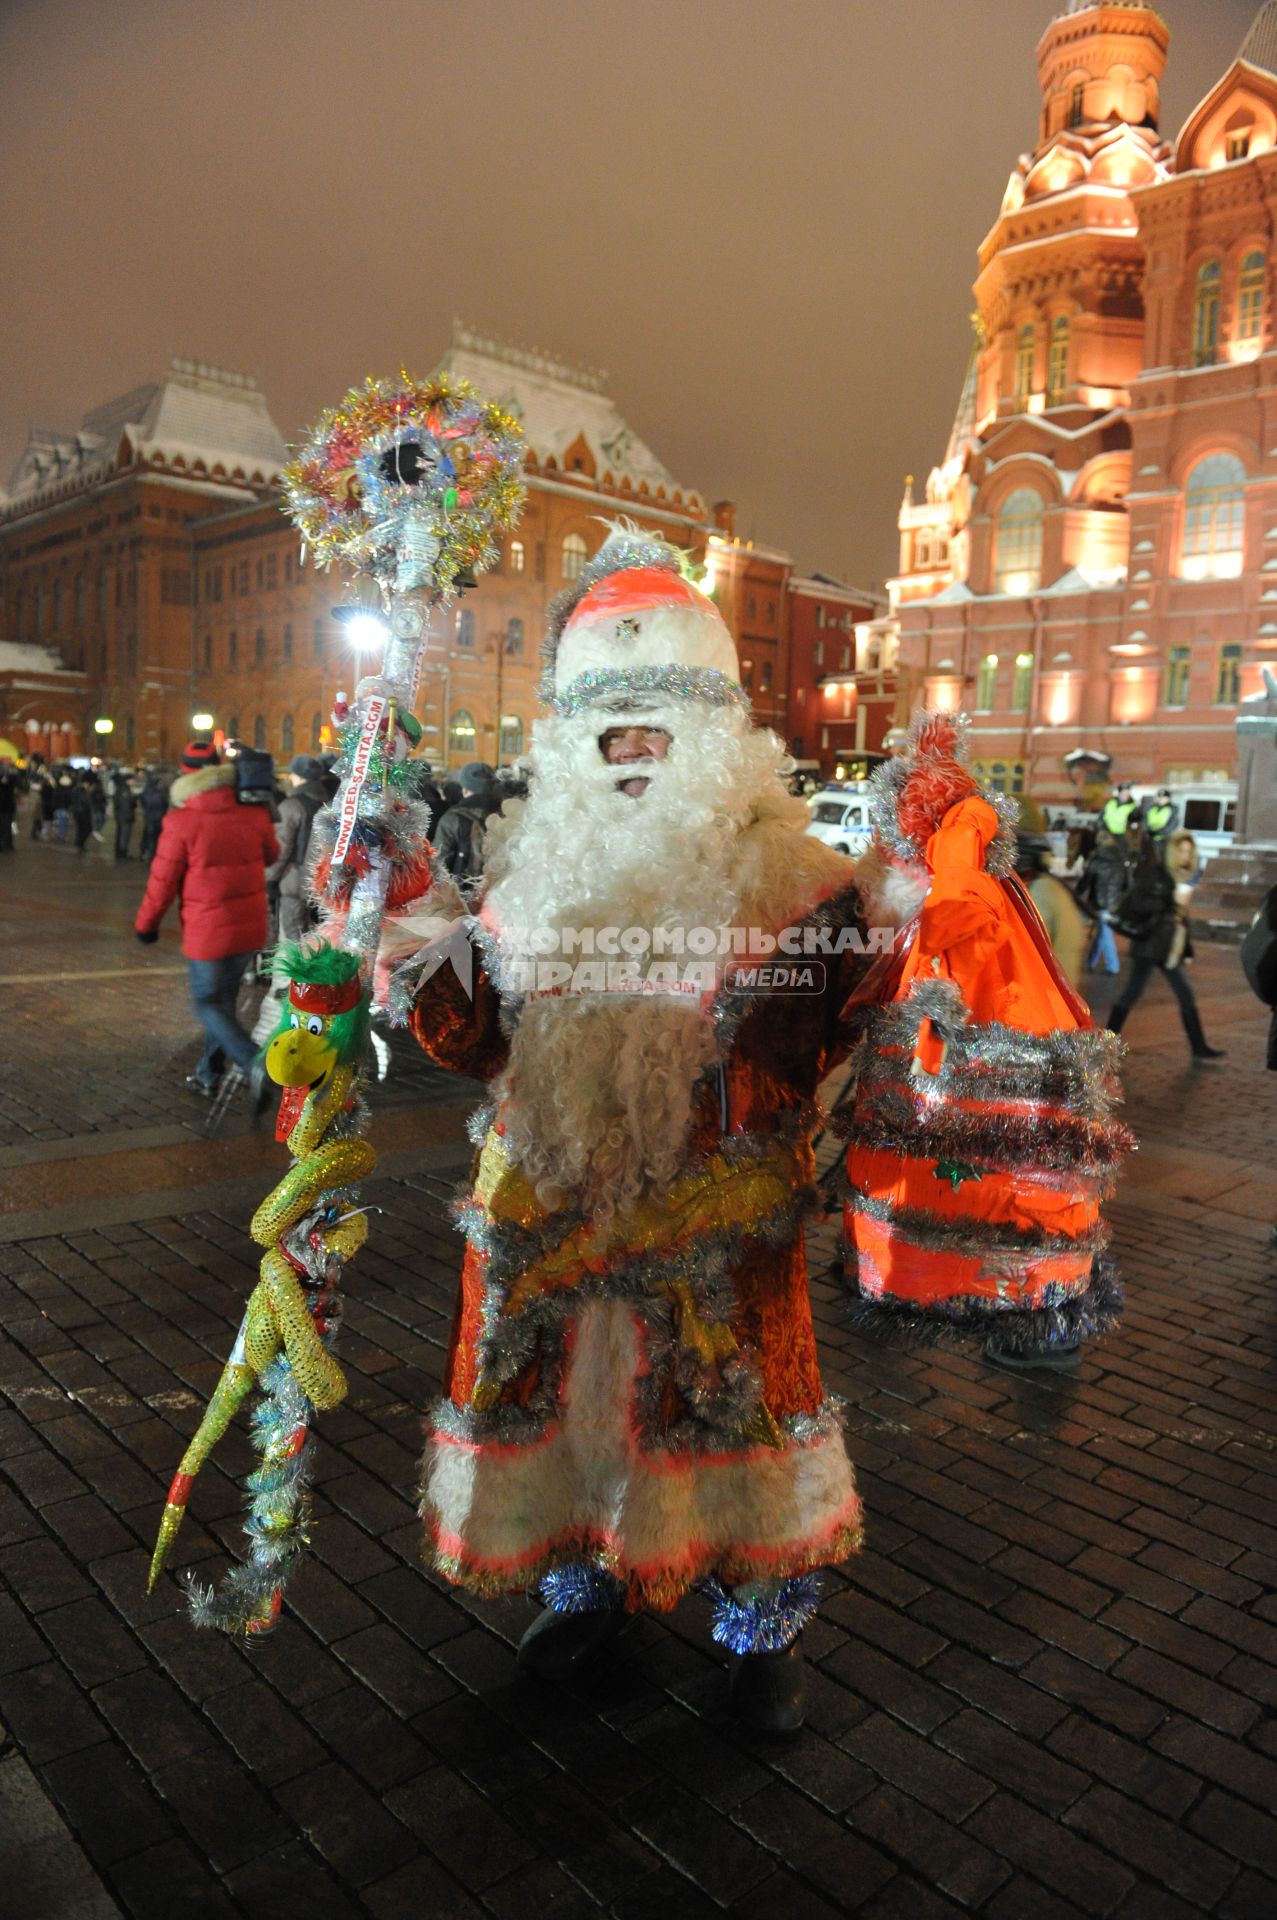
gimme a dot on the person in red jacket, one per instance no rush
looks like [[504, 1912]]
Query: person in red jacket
[[212, 858]]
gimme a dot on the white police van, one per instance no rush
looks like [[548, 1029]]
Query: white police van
[[1207, 808], [840, 817]]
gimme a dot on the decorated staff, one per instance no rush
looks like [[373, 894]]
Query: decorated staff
[[406, 484]]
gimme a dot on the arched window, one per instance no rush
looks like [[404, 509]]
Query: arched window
[[516, 556], [1206, 315], [1077, 101], [514, 637], [232, 647], [1023, 682], [288, 643], [461, 735], [511, 737], [259, 733], [286, 736], [316, 731], [986, 685], [465, 627], [574, 553], [1057, 367], [1250, 298], [259, 648], [1026, 343], [1019, 543], [1214, 505]]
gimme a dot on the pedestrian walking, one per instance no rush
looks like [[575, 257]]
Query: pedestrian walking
[[10, 787], [44, 804], [62, 806], [1156, 924], [97, 798], [1105, 879], [304, 784], [124, 805], [212, 858], [81, 804], [154, 805]]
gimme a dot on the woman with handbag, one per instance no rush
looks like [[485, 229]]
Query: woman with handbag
[[1157, 927]]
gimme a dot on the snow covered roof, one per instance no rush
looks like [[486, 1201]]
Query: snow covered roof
[[18, 656], [560, 406], [1259, 48], [196, 420]]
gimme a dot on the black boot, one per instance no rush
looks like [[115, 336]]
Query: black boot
[[769, 1690], [1117, 1019], [1196, 1038], [561, 1646]]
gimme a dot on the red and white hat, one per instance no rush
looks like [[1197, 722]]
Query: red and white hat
[[636, 633]]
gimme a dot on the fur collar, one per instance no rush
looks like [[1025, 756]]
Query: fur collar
[[189, 786], [782, 871]]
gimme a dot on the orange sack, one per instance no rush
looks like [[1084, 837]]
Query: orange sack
[[981, 1131]]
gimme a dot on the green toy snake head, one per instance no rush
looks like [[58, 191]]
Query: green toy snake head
[[324, 1022]]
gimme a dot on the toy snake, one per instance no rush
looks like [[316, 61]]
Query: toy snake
[[308, 1231]]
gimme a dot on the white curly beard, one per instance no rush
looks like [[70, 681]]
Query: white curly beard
[[598, 1096]]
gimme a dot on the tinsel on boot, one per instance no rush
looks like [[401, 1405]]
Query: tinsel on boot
[[981, 1127]]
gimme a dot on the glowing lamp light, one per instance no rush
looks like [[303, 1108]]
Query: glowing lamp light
[[365, 630], [990, 659], [1210, 566], [708, 582], [202, 722], [1018, 584], [1024, 659], [104, 726]]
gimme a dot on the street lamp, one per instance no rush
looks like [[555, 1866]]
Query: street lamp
[[104, 726], [202, 722]]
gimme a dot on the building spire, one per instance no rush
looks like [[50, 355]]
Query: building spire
[[1259, 48]]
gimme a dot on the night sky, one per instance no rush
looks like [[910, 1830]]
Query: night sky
[[760, 216]]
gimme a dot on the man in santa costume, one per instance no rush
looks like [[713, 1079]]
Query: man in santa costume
[[653, 986]]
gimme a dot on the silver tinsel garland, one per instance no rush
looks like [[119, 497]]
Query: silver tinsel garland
[[764, 1616]]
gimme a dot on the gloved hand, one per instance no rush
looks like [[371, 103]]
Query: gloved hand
[[148, 938]]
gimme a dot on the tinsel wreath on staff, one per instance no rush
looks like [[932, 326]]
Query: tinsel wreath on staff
[[981, 1126], [406, 484]]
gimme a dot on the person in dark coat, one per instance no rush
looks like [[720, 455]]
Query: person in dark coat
[[1104, 882], [81, 803], [10, 786], [1157, 929], [304, 782], [154, 808], [46, 802], [212, 858], [124, 803], [459, 839]]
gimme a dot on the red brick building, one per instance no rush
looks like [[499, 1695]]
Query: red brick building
[[841, 676], [1094, 563], [150, 554]]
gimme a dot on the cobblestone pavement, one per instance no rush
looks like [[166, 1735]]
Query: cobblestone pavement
[[1046, 1688]]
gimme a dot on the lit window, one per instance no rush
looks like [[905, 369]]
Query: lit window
[[1214, 505], [986, 689], [1237, 144], [1057, 369], [465, 627], [286, 736], [461, 734], [1019, 543], [573, 556], [511, 736], [922, 549], [1206, 315], [767, 676], [1177, 665], [1077, 98], [1250, 297], [1024, 357], [516, 556], [1023, 686], [1228, 689], [514, 637], [845, 660]]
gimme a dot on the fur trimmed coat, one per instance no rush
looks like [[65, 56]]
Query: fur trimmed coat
[[644, 1396], [211, 858]]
